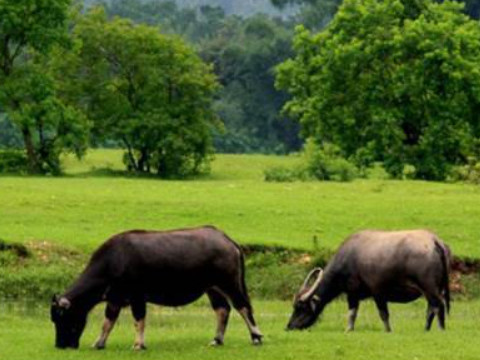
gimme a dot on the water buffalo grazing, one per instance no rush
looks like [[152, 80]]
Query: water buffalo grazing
[[396, 266], [169, 268]]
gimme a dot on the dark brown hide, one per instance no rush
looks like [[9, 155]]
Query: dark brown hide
[[169, 268], [397, 266]]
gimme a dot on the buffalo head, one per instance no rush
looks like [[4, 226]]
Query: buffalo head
[[306, 307], [69, 323]]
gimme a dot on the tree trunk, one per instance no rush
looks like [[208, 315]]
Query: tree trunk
[[162, 166], [131, 157], [143, 162], [33, 166]]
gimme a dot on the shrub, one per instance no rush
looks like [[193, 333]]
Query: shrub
[[285, 174], [319, 163], [409, 172], [469, 173], [326, 163]]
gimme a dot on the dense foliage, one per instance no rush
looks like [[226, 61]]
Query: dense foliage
[[147, 91], [392, 81], [28, 93], [324, 163], [244, 52], [244, 55]]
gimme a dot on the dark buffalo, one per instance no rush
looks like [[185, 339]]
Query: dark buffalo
[[170, 268], [388, 266]]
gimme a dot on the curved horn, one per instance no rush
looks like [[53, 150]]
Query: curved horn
[[312, 289], [309, 276]]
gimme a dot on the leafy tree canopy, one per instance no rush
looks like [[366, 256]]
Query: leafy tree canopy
[[148, 91], [392, 81], [29, 29]]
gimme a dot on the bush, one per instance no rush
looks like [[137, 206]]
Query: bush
[[327, 163], [409, 172], [285, 174], [318, 163], [468, 173], [13, 161]]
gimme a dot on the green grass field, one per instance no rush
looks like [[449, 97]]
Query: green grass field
[[89, 204], [185, 333], [95, 200]]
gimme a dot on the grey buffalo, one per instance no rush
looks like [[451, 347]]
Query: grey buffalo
[[169, 268], [398, 266]]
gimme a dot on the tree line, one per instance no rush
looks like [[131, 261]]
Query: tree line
[[389, 81]]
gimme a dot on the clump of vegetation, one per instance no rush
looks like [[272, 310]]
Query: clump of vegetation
[[324, 163], [468, 173], [285, 174]]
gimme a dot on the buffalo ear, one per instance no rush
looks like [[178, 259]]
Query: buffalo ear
[[63, 302], [55, 299]]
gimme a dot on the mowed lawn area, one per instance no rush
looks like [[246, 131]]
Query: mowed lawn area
[[185, 333], [90, 203]]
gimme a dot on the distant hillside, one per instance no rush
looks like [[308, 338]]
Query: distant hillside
[[238, 7]]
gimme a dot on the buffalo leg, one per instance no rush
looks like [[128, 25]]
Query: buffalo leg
[[353, 305], [383, 312], [435, 307], [222, 309], [242, 304], [430, 316], [111, 315], [139, 310]]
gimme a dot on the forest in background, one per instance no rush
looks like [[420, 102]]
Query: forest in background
[[244, 51], [244, 42]]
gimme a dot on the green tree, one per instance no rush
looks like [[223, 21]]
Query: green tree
[[392, 81], [244, 53], [148, 91], [28, 93]]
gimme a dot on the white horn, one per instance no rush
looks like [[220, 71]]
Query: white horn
[[312, 289], [309, 276]]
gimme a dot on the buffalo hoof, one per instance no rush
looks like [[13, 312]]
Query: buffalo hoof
[[99, 346], [257, 341], [139, 347], [216, 342]]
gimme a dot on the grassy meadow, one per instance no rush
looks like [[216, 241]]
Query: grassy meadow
[[185, 334], [95, 200]]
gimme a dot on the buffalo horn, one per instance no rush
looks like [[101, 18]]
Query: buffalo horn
[[305, 296]]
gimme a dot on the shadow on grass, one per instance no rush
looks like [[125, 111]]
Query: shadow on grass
[[113, 173]]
